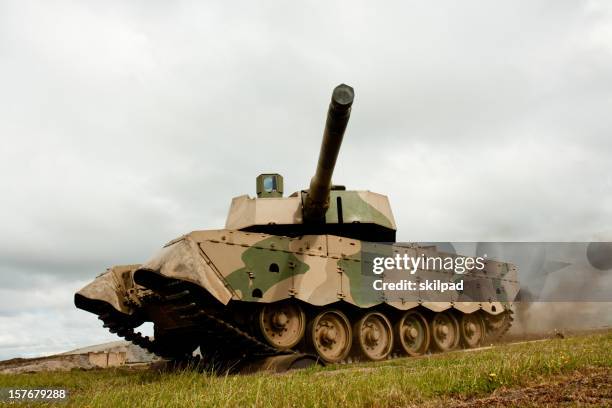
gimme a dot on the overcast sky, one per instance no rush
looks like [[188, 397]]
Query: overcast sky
[[125, 124]]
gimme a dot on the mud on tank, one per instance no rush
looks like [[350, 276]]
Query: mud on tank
[[280, 278]]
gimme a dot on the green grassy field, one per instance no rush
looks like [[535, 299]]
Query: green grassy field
[[401, 382]]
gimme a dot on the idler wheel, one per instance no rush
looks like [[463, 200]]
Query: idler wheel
[[445, 331], [413, 334], [374, 336], [472, 330], [329, 335], [282, 324], [497, 325]]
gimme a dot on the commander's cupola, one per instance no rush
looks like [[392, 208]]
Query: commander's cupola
[[269, 185]]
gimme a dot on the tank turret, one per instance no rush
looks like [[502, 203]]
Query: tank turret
[[322, 208], [316, 198]]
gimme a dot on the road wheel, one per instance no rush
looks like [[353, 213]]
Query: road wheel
[[444, 331], [412, 332], [330, 336], [282, 324], [472, 330], [373, 336]]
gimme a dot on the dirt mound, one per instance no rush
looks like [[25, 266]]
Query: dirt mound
[[114, 354], [51, 363]]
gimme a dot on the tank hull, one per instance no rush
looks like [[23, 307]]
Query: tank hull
[[211, 288]]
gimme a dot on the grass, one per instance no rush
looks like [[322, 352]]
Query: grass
[[399, 382]]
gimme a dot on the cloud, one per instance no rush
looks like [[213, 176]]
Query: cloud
[[125, 125]]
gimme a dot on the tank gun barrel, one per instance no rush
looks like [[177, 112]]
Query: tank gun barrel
[[316, 201]]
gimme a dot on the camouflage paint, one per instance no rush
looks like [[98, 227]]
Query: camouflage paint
[[360, 288], [256, 271], [354, 208]]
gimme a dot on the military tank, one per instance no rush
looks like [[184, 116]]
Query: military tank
[[286, 275]]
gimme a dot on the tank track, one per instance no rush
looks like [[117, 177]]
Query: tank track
[[211, 329], [509, 321], [200, 324], [128, 333], [498, 332]]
